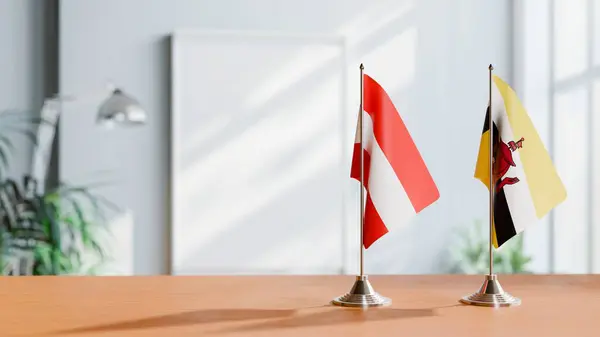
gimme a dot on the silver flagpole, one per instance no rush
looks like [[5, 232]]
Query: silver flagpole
[[491, 293], [362, 172], [491, 172], [362, 293]]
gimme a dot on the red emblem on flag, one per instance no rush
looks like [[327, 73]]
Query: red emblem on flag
[[503, 160]]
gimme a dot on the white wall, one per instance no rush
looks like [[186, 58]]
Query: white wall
[[556, 59], [431, 55], [23, 76]]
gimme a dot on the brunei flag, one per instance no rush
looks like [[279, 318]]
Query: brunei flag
[[526, 184]]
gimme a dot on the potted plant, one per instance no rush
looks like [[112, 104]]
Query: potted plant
[[471, 255], [60, 231]]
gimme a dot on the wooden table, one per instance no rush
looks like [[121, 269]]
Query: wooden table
[[169, 306]]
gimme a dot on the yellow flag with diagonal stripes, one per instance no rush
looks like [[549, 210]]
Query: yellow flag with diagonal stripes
[[527, 185]]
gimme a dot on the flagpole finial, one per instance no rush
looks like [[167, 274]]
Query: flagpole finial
[[362, 66], [491, 67]]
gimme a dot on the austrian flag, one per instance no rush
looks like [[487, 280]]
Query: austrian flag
[[396, 179]]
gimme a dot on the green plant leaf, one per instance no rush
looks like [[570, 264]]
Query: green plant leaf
[[44, 255], [4, 159], [30, 135], [68, 226], [49, 212], [7, 142], [6, 149]]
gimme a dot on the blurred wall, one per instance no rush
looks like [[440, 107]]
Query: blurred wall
[[557, 53], [28, 64], [442, 99]]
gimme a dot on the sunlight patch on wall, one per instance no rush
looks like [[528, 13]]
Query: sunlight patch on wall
[[375, 17], [570, 17], [302, 65], [394, 63], [252, 170], [570, 157]]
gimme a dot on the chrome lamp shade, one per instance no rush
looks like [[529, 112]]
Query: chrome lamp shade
[[120, 108]]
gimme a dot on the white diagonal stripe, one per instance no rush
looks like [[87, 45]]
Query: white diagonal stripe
[[518, 196], [386, 191]]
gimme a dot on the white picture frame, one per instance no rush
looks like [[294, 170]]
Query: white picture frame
[[225, 250]]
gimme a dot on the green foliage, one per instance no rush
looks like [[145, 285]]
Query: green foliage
[[471, 256], [75, 219], [63, 230]]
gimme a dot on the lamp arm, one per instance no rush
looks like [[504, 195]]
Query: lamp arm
[[46, 132], [63, 98], [45, 138]]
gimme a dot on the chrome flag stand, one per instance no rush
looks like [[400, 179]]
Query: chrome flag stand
[[491, 293], [362, 293]]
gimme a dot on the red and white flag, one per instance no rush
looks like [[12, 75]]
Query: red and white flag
[[396, 179]]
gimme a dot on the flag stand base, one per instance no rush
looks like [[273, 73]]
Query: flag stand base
[[491, 294], [362, 295]]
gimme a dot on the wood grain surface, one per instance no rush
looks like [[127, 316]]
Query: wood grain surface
[[554, 305]]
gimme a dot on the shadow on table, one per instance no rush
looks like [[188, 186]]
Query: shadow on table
[[334, 316], [276, 319], [186, 318]]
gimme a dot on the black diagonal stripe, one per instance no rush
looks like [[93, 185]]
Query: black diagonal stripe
[[486, 125], [505, 228], [486, 128]]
